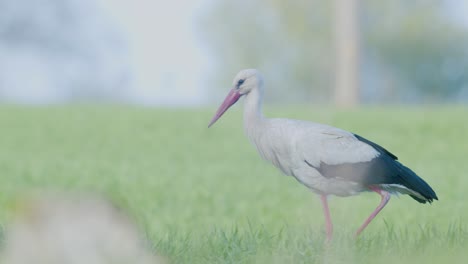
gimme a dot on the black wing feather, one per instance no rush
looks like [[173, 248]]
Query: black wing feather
[[376, 146]]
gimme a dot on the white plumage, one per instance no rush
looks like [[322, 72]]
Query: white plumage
[[328, 160]]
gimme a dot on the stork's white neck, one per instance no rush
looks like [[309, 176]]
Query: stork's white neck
[[253, 116]]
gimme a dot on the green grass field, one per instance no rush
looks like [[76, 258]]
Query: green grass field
[[204, 195]]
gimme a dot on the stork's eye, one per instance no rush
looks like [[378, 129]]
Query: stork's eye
[[240, 82]]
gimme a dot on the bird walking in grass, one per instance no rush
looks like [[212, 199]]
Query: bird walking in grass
[[328, 160]]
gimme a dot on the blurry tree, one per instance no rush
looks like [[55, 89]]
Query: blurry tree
[[420, 46], [56, 50], [411, 50]]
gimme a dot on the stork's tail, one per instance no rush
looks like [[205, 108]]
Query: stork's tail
[[421, 191]]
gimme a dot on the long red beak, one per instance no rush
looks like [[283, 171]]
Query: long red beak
[[230, 99]]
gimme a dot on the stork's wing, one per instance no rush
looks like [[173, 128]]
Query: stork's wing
[[339, 154], [350, 157], [333, 146]]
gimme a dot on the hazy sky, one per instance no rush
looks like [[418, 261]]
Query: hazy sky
[[168, 61]]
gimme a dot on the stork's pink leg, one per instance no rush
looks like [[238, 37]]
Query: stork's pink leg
[[385, 198], [326, 212]]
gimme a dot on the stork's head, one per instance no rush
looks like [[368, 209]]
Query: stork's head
[[244, 82]]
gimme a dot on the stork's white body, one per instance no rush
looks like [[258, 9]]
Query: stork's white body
[[287, 147]]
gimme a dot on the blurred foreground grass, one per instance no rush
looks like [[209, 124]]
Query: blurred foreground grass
[[205, 196]]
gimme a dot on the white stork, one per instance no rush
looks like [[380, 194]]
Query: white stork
[[327, 160]]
